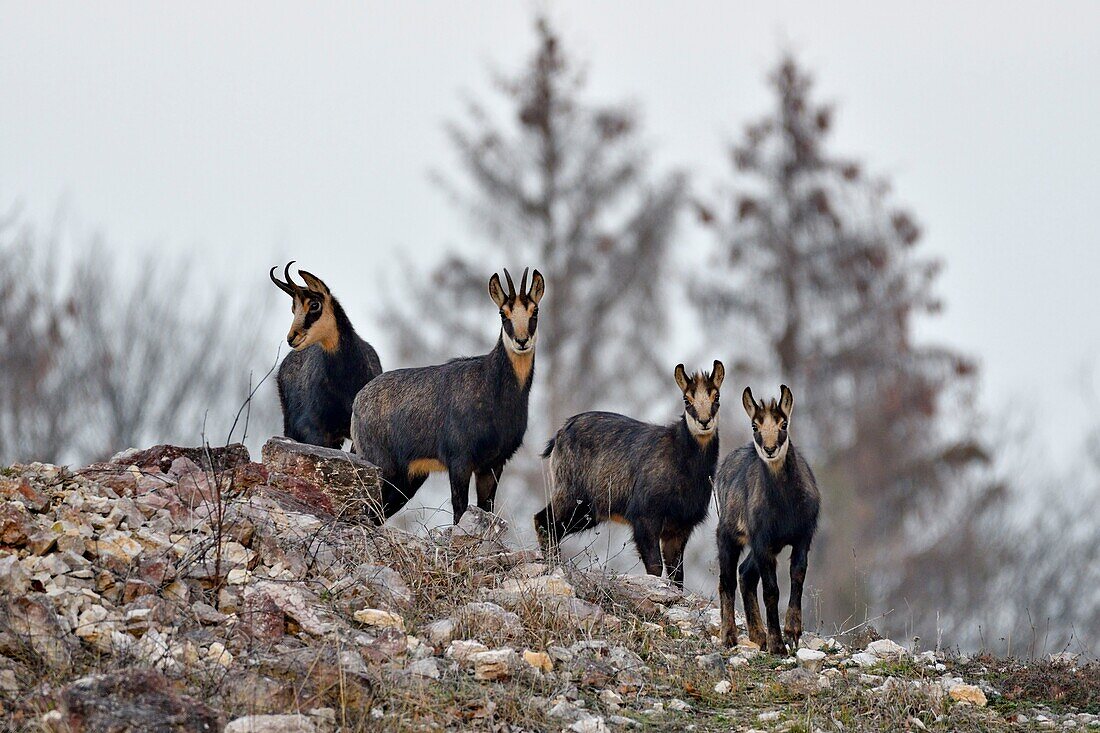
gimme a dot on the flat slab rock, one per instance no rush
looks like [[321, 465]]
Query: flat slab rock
[[161, 457], [333, 481]]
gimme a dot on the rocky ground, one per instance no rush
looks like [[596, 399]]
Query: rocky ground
[[184, 590]]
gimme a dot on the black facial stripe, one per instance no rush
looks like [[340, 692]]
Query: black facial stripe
[[311, 318], [759, 438]]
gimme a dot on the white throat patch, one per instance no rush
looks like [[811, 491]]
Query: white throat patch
[[696, 429], [774, 462], [512, 346]]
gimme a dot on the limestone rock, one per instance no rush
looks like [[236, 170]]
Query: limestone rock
[[800, 681], [488, 620], [971, 694], [440, 632], [160, 458], [331, 481], [376, 617], [477, 526], [886, 650], [644, 592], [20, 489], [427, 668], [16, 524], [495, 664], [462, 650], [272, 724], [292, 601], [554, 585], [810, 659], [34, 620], [386, 584], [538, 660]]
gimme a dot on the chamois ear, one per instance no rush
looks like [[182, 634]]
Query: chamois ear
[[496, 292], [681, 378], [748, 403], [786, 400], [313, 282], [538, 287], [718, 374]]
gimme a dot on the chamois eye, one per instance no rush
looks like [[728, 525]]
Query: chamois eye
[[314, 306], [755, 428]]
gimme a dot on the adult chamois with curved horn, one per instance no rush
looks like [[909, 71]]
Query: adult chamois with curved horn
[[466, 417], [330, 363], [655, 478], [767, 499]]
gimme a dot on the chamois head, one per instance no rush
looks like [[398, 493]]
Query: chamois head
[[519, 312], [769, 424], [313, 308], [701, 399]]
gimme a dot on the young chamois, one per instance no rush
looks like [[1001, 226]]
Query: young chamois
[[767, 499], [655, 478], [465, 417], [329, 365]]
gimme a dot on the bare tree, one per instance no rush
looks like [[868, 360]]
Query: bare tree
[[97, 361], [817, 274], [562, 185]]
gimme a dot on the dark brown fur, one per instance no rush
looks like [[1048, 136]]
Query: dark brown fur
[[656, 478], [765, 505], [329, 365], [467, 416]]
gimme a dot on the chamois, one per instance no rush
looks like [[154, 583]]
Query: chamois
[[767, 499], [329, 364], [656, 478], [467, 416]]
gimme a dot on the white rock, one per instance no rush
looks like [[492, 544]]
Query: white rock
[[810, 659], [218, 654], [494, 664], [865, 659], [591, 724], [440, 632], [886, 649], [461, 650], [723, 687], [769, 716], [271, 724], [427, 667], [610, 697], [238, 576]]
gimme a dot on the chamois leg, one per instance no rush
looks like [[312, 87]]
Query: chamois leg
[[553, 525], [750, 576], [396, 492], [765, 563], [486, 482], [729, 552], [800, 554], [460, 491], [672, 551], [648, 543]]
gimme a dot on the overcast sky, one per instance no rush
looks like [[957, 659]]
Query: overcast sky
[[309, 129]]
